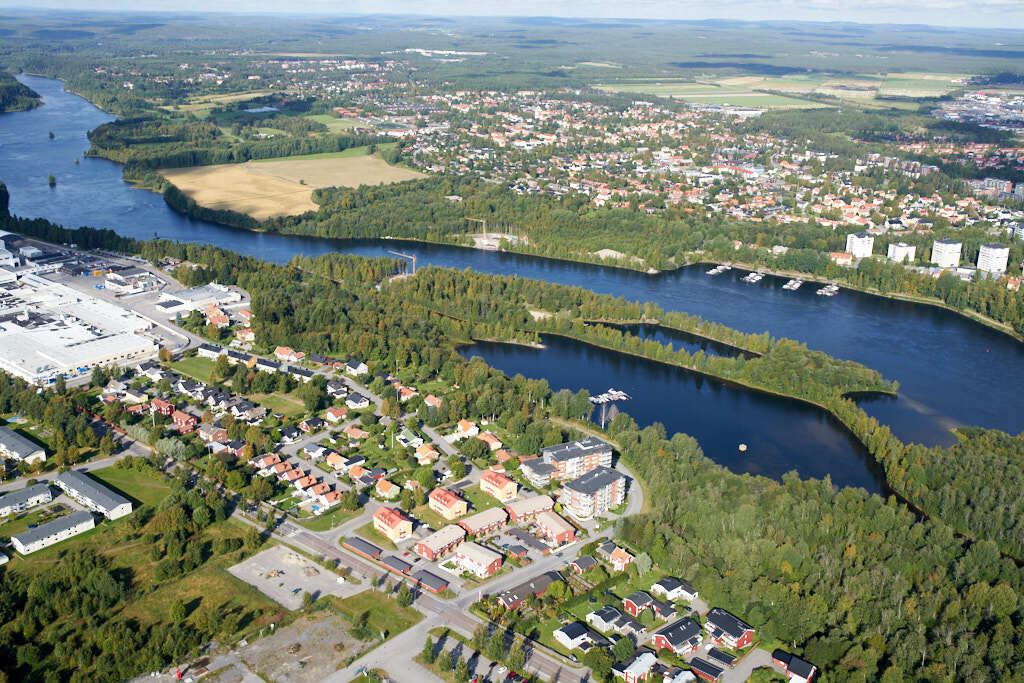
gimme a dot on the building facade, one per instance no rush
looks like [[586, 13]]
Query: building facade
[[574, 459], [53, 532], [860, 244], [93, 495], [992, 258], [594, 493], [946, 253]]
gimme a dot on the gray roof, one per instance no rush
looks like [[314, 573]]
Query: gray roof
[[431, 581], [50, 528], [731, 624], [100, 495], [574, 630], [365, 547], [17, 444], [574, 449], [538, 466], [594, 480], [21, 496], [396, 563], [679, 632], [707, 668]]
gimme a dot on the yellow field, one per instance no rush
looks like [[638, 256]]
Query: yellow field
[[267, 189]]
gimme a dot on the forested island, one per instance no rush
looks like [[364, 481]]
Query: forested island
[[15, 96]]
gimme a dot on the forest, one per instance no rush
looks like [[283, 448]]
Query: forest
[[800, 558], [14, 96]]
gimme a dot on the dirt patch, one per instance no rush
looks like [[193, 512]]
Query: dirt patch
[[283, 575]]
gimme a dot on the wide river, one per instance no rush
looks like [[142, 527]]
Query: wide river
[[951, 371]]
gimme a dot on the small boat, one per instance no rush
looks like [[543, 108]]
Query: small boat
[[718, 270], [828, 290], [753, 278], [793, 284]]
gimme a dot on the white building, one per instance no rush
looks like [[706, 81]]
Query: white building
[[860, 244], [477, 560], [992, 258], [946, 253], [93, 495], [23, 499], [56, 531], [7, 258], [17, 447], [901, 253]]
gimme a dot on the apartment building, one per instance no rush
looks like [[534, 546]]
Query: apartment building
[[594, 493], [574, 459], [93, 495]]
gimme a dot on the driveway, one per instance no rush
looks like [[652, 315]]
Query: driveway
[[755, 660]]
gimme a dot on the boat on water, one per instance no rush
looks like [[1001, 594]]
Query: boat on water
[[718, 270], [828, 290], [793, 284], [753, 278]]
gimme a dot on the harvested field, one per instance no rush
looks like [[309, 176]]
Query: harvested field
[[266, 189]]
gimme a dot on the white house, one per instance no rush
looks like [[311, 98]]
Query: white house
[[573, 635], [356, 367]]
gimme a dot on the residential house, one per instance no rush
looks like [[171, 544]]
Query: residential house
[[682, 637], [267, 461], [492, 441], [636, 668], [183, 422], [405, 393], [284, 353], [336, 389], [706, 670], [312, 425], [484, 522], [433, 401], [726, 629], [477, 560], [93, 495], [526, 509], [720, 658], [498, 485], [441, 542], [447, 504], [330, 499], [517, 595], [604, 618], [573, 635], [797, 670], [354, 432], [583, 563], [356, 367], [159, 405], [575, 458], [289, 434], [387, 490], [335, 415], [618, 558], [357, 401], [637, 602], [394, 525], [301, 374], [335, 461], [557, 530], [426, 454], [671, 588], [307, 482], [465, 428], [209, 351]]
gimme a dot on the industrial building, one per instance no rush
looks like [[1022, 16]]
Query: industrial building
[[48, 330], [17, 447], [56, 531], [198, 298], [93, 495]]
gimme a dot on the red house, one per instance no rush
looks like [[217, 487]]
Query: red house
[[159, 405], [728, 630], [185, 423], [635, 603]]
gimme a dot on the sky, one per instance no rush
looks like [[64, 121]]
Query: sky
[[958, 13]]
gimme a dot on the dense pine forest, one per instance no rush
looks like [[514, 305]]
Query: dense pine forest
[[14, 96]]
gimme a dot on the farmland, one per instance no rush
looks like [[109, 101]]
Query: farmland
[[282, 186]]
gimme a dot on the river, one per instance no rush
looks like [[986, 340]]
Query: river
[[951, 371]]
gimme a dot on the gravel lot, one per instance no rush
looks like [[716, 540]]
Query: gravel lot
[[293, 571]]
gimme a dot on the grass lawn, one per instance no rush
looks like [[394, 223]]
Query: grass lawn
[[385, 614], [194, 366], [343, 154], [283, 405], [428, 516], [335, 123], [373, 536], [134, 484], [330, 519], [479, 500]]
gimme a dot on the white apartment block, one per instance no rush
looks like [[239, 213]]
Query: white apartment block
[[56, 531], [23, 499], [860, 244], [93, 495], [901, 253], [992, 258], [946, 253]]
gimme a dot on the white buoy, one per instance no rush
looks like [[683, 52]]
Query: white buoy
[[743, 448]]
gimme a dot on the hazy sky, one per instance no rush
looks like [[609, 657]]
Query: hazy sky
[[988, 13]]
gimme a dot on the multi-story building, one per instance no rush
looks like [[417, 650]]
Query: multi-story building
[[484, 522], [528, 508], [575, 458], [992, 258], [537, 472], [441, 542], [946, 253], [860, 244], [498, 485], [56, 531], [901, 252], [446, 504], [14, 445], [594, 493], [23, 499], [391, 523], [93, 495], [557, 530], [477, 560]]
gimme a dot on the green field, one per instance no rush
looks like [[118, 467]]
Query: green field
[[134, 484], [478, 500], [329, 520], [385, 614], [343, 154], [284, 405], [334, 123], [194, 366]]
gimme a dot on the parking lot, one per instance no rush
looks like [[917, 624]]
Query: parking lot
[[283, 575]]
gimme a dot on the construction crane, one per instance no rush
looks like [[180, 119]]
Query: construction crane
[[408, 256]]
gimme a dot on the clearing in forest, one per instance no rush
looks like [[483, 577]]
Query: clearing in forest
[[282, 187]]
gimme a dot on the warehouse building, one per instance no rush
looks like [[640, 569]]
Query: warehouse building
[[93, 495]]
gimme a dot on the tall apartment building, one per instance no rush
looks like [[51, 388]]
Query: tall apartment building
[[860, 244], [594, 493], [946, 253], [574, 459], [901, 252], [992, 258]]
